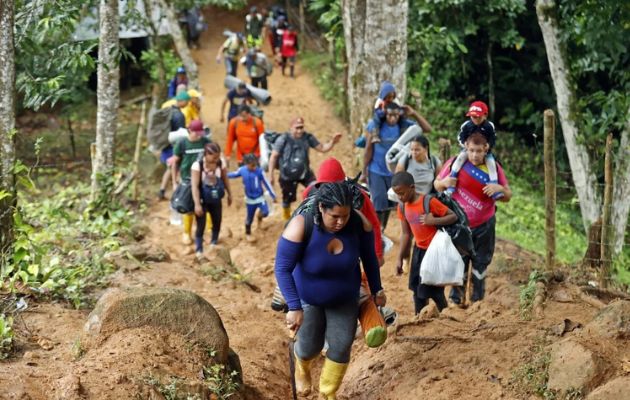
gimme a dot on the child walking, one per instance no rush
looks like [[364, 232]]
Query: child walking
[[478, 122], [421, 223], [253, 181], [209, 185]]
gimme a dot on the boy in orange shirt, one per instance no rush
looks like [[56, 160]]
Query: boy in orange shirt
[[420, 223], [244, 129]]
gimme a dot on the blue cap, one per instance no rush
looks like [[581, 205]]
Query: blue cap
[[181, 70]]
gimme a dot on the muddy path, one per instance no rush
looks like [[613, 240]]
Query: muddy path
[[461, 354]]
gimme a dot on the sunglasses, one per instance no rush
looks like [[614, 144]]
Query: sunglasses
[[298, 127]]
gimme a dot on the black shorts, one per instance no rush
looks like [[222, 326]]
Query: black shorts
[[289, 188]]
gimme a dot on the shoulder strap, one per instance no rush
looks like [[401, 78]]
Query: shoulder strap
[[309, 223], [426, 203], [407, 161]]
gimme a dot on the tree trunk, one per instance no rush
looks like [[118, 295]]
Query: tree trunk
[[8, 195], [180, 44], [107, 92], [491, 102], [376, 47], [583, 177], [621, 194]]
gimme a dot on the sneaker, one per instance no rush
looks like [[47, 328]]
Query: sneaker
[[186, 239], [388, 244], [389, 315], [200, 257], [277, 301], [250, 238]]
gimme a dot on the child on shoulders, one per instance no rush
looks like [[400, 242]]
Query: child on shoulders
[[253, 182], [478, 122]]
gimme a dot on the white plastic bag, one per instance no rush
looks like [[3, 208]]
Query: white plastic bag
[[442, 264]]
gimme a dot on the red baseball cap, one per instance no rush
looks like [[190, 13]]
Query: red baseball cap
[[195, 126], [477, 109]]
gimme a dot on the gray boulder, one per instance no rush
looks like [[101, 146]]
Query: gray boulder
[[172, 310], [574, 366]]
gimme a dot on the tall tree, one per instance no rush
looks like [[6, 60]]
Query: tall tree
[[180, 42], [108, 92], [8, 198], [583, 177], [588, 61], [376, 47]]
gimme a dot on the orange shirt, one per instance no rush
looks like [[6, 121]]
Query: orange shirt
[[423, 234], [245, 133]]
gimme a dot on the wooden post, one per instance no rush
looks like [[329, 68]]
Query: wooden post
[[550, 188], [607, 233], [445, 149], [136, 154]]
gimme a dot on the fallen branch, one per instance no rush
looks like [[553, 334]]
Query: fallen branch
[[539, 300], [604, 294], [134, 100], [123, 185], [591, 300]]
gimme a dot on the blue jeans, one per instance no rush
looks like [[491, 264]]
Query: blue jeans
[[336, 325], [230, 66], [379, 185]]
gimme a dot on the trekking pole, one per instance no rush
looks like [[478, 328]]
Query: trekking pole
[[292, 334], [468, 294]]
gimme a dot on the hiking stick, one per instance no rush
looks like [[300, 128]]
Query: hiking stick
[[468, 294], [292, 334]]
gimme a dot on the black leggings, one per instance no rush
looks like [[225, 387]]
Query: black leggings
[[215, 211], [260, 82], [421, 292]]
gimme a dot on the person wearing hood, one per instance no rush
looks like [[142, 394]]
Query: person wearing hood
[[180, 78]]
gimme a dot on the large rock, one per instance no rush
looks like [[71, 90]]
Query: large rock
[[574, 366], [612, 321], [172, 310], [616, 389]]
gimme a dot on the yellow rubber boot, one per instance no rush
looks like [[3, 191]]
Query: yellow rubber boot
[[286, 213], [187, 220], [303, 376], [330, 379], [208, 223]]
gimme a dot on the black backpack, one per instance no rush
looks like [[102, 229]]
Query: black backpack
[[460, 232], [293, 161]]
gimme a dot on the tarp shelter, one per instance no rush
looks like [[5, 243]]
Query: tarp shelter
[[130, 24]]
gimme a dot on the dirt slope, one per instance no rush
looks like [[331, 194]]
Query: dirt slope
[[468, 354]]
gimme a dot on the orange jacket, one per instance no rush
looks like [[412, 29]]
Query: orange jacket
[[245, 133]]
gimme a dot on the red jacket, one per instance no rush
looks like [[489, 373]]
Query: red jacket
[[331, 170]]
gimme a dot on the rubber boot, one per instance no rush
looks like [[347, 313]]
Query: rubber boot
[[188, 221], [303, 376], [286, 213], [330, 379]]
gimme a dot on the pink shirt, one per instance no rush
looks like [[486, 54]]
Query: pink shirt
[[469, 191]]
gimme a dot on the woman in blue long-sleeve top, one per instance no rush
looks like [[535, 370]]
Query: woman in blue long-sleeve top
[[320, 278]]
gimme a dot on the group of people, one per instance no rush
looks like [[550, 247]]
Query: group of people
[[246, 48], [320, 257], [329, 255]]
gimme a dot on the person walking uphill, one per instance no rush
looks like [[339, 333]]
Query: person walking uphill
[[420, 223], [290, 152], [476, 195], [243, 129], [320, 280], [185, 153]]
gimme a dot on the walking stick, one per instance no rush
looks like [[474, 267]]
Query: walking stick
[[292, 362], [468, 294]]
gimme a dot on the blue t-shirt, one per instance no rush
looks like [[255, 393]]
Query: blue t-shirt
[[388, 135]]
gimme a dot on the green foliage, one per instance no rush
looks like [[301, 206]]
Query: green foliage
[[170, 390], [522, 220], [50, 65], [60, 243], [151, 58], [6, 336], [528, 294], [531, 377], [221, 382]]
